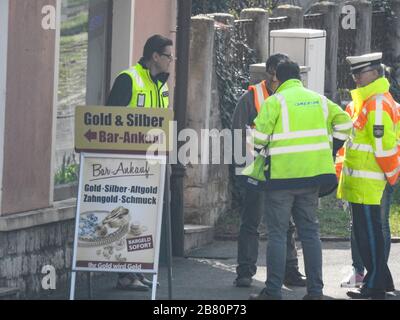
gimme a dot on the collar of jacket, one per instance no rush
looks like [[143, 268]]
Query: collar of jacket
[[360, 95], [162, 77], [289, 84]]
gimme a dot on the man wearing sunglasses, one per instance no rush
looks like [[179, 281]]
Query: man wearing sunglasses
[[143, 86], [370, 163]]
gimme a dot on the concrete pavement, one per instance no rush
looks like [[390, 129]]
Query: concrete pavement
[[208, 274]]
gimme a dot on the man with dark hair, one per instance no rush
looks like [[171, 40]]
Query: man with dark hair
[[246, 111], [287, 71], [143, 86], [293, 137]]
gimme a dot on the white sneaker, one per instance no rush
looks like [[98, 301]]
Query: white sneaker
[[353, 280]]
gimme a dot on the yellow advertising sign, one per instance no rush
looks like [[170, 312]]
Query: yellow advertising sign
[[121, 129]]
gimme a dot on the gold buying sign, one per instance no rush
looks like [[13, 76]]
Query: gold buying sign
[[119, 213], [122, 129]]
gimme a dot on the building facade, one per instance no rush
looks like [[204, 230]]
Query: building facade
[[55, 55]]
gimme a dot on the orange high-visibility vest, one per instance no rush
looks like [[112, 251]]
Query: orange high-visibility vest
[[260, 94], [388, 162]]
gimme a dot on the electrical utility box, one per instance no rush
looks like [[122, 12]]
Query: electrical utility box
[[307, 47]]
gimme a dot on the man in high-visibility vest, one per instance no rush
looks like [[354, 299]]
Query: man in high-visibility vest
[[295, 132], [143, 86], [370, 162], [246, 111]]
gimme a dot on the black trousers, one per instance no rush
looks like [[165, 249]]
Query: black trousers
[[369, 238]]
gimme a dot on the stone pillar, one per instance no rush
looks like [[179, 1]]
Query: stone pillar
[[395, 38], [331, 25], [258, 37], [224, 18], [225, 22], [198, 110], [363, 25], [294, 13]]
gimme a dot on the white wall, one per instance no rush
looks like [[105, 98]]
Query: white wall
[[4, 4], [122, 36]]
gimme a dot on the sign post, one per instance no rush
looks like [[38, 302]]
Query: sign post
[[121, 190]]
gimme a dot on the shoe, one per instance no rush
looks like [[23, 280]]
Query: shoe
[[390, 289], [263, 295], [313, 297], [133, 285], [365, 294], [148, 282], [353, 280], [295, 278], [243, 282]]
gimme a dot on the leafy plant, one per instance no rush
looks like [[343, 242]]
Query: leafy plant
[[68, 171]]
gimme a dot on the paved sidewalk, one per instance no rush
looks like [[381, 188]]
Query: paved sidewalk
[[208, 273]]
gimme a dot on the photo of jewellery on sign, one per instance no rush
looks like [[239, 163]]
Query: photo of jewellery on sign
[[119, 214]]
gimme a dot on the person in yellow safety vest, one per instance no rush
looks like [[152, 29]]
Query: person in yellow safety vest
[[355, 278], [295, 130], [143, 86], [247, 109], [371, 161]]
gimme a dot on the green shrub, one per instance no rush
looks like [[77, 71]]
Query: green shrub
[[68, 171]]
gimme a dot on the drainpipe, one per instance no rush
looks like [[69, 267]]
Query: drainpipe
[[180, 102]]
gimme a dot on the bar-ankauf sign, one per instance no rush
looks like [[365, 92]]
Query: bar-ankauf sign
[[119, 213]]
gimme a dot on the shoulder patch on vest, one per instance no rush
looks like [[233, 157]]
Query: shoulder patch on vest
[[379, 131], [165, 94]]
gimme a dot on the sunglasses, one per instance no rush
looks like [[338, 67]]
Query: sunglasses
[[358, 74], [169, 56]]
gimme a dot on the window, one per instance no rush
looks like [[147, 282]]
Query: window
[[84, 71]]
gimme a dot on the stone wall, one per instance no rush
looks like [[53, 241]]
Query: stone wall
[[23, 253]]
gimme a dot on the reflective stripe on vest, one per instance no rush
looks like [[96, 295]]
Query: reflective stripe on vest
[[288, 135], [340, 154], [388, 160], [260, 94], [146, 93], [363, 174], [302, 148]]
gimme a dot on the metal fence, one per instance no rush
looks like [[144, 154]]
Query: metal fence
[[379, 39], [346, 48], [314, 21]]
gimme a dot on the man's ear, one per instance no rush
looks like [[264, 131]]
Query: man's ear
[[155, 56]]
